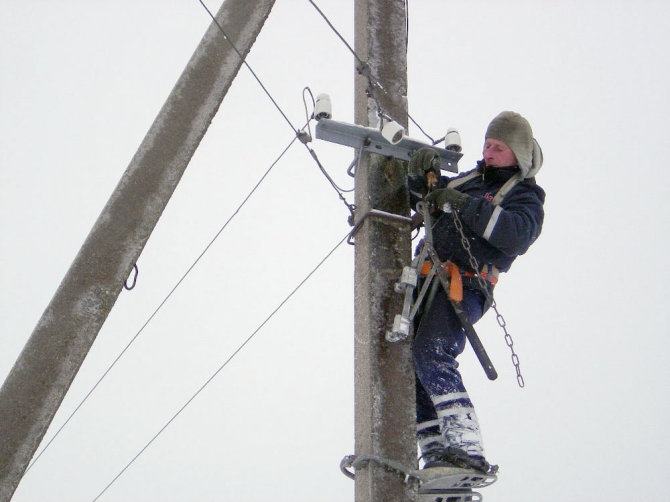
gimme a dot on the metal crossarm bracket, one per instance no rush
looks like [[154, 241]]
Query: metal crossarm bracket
[[378, 214], [370, 139]]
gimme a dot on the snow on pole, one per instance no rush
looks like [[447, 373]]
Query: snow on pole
[[384, 388]]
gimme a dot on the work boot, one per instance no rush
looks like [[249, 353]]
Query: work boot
[[436, 458], [453, 457], [459, 458]]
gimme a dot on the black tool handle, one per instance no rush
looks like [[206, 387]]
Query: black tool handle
[[470, 332], [475, 342]]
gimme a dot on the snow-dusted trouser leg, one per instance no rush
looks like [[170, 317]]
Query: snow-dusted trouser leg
[[429, 437], [443, 405], [428, 425]]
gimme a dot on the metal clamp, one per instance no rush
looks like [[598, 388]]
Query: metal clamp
[[402, 322]]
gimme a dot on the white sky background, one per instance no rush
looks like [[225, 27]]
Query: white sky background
[[81, 84]]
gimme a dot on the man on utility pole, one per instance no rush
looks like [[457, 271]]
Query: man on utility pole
[[384, 389]]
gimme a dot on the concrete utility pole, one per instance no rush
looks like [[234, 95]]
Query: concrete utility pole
[[57, 347], [384, 389]]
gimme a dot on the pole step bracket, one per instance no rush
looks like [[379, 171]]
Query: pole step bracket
[[451, 484]]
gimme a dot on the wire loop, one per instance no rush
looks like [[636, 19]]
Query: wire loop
[[125, 284]]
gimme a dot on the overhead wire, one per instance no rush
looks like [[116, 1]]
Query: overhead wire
[[318, 162], [223, 365], [279, 109], [364, 68], [163, 302], [244, 62], [192, 266], [282, 303], [307, 114], [340, 191]]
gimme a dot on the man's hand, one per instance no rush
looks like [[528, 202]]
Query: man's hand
[[449, 196], [423, 161]]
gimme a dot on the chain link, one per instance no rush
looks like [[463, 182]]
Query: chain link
[[489, 297]]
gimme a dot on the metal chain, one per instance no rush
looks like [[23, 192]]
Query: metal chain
[[489, 297]]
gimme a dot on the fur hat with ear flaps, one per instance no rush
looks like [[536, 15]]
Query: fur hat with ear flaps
[[515, 131]]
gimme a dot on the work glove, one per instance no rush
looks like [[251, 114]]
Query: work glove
[[452, 199], [423, 161]]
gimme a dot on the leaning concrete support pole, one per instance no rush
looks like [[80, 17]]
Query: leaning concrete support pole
[[41, 376], [385, 420]]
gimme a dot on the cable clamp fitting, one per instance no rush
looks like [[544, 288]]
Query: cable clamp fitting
[[304, 136], [364, 70]]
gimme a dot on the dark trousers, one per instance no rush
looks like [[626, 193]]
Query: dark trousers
[[439, 339]]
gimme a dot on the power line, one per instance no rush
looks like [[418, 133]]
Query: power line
[[363, 68], [339, 35], [340, 191], [222, 366], [279, 109], [163, 302], [244, 62], [192, 266]]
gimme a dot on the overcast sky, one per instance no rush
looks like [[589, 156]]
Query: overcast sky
[[81, 84]]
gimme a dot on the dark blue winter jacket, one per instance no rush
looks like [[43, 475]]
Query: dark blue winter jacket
[[496, 235]]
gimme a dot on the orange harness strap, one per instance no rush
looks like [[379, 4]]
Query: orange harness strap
[[455, 279], [455, 282]]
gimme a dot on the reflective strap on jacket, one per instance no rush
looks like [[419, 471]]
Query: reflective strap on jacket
[[459, 181], [497, 200]]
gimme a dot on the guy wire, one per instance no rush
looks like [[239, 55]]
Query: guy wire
[[224, 364], [162, 303], [373, 81], [244, 62]]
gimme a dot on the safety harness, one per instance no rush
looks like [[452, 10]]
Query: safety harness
[[428, 266], [449, 277], [500, 195]]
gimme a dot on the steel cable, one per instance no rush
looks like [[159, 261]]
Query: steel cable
[[223, 365], [163, 302]]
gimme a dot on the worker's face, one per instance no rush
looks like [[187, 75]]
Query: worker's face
[[498, 154]]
